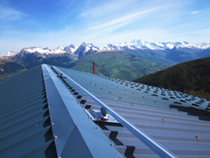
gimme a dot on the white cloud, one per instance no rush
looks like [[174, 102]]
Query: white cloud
[[69, 4], [110, 21], [68, 36], [103, 9], [120, 22], [194, 12], [10, 14]]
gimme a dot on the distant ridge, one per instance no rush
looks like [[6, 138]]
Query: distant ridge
[[175, 51], [191, 77], [118, 65], [9, 67], [165, 54]]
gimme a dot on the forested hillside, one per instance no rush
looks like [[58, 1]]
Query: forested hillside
[[9, 67], [191, 77]]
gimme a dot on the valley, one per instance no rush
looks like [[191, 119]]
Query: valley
[[127, 60], [9, 67]]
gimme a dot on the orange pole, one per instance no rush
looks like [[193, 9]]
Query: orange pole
[[94, 70]]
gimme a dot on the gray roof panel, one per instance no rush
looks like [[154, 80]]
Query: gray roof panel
[[184, 134], [71, 126], [25, 124], [29, 123]]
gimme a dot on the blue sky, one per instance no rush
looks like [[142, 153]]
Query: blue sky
[[51, 23]]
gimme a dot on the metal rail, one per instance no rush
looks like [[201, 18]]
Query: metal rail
[[152, 144]]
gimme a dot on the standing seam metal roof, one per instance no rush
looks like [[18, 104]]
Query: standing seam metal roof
[[25, 128], [75, 134], [36, 110], [185, 133]]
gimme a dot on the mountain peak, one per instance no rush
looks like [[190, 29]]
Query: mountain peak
[[83, 44], [71, 46], [9, 54], [136, 44]]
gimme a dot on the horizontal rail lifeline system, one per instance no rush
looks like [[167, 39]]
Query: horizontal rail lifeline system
[[152, 144]]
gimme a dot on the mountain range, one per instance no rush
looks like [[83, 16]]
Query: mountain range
[[161, 54], [163, 49]]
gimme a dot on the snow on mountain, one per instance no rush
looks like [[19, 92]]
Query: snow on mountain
[[9, 54], [140, 44], [169, 45], [86, 48], [73, 48], [63, 49], [44, 51], [190, 45], [47, 51], [89, 46]]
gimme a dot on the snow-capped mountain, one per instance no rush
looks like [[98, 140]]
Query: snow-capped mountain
[[140, 44], [8, 55], [69, 49], [59, 50], [86, 47], [44, 51]]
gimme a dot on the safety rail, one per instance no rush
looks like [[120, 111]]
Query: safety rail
[[152, 144]]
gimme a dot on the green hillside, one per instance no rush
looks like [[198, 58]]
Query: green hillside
[[9, 67], [34, 59], [191, 77], [118, 65], [153, 55]]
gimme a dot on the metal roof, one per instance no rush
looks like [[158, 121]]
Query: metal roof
[[75, 134], [40, 118], [127, 91], [184, 130], [156, 147], [46, 115], [25, 128]]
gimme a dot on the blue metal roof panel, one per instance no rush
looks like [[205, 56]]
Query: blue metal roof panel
[[72, 128], [184, 132], [26, 120], [25, 124], [32, 120], [109, 88], [180, 139], [157, 148]]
